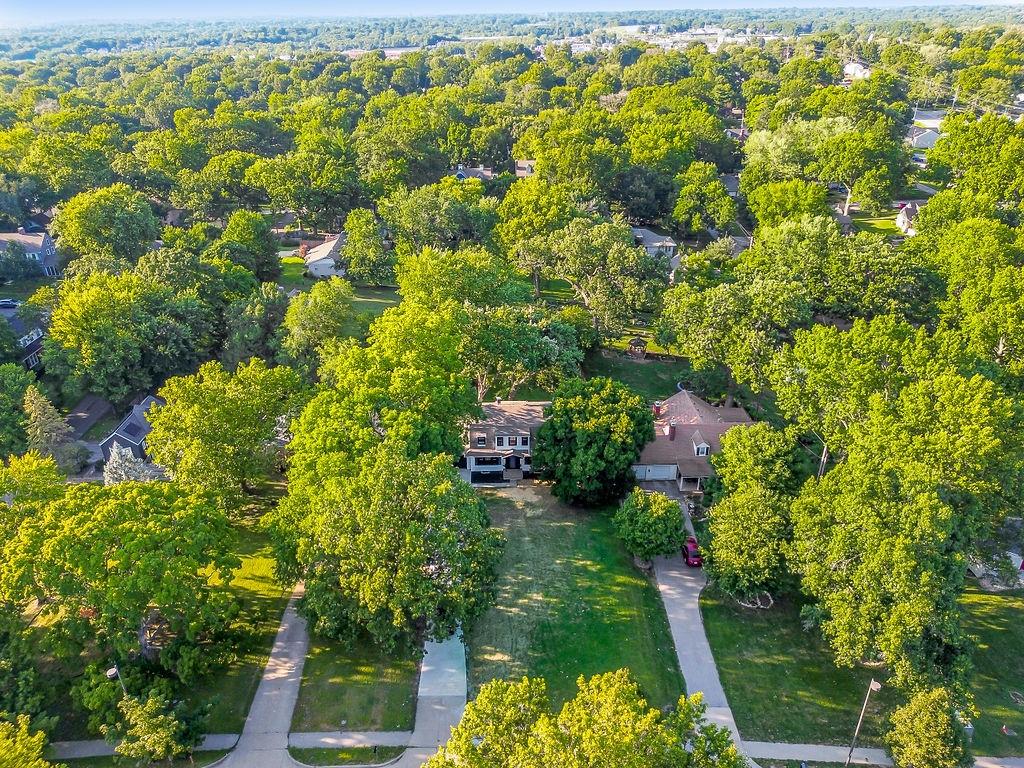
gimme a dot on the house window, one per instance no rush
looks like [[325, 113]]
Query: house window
[[701, 450], [500, 442], [32, 360], [487, 461], [481, 441], [524, 441], [512, 442]]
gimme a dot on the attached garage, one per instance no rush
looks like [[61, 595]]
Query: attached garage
[[655, 471]]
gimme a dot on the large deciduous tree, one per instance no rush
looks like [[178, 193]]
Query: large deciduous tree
[[399, 548], [136, 567], [650, 524], [316, 317], [14, 381], [593, 435], [703, 200], [115, 221], [510, 725], [217, 429], [614, 278]]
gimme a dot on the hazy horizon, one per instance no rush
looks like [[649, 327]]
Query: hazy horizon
[[18, 13]]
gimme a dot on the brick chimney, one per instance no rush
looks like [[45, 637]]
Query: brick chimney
[[672, 431]]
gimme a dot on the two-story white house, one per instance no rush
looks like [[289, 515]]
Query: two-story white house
[[499, 447]]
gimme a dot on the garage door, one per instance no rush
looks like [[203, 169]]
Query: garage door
[[656, 472]]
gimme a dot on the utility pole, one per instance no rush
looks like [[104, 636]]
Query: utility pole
[[874, 685]]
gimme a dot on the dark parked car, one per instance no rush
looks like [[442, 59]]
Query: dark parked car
[[692, 552]]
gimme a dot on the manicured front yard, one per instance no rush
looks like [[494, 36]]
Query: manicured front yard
[[293, 275], [353, 756], [23, 289], [781, 681], [263, 601], [995, 620], [358, 688], [569, 603]]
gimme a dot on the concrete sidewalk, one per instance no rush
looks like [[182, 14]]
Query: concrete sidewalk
[[71, 750], [819, 753], [264, 739]]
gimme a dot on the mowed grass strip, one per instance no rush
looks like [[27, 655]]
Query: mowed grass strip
[[356, 687], [199, 760], [351, 756], [780, 679], [569, 603], [995, 621]]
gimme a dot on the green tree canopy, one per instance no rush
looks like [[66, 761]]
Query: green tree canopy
[[114, 221], [594, 432]]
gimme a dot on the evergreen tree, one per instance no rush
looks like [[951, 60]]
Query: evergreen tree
[[48, 433]]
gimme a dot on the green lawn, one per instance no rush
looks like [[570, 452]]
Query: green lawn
[[374, 300], [356, 689], [780, 679], [878, 225], [995, 620], [103, 427], [199, 760], [263, 601], [557, 291], [569, 603], [652, 378], [23, 289], [353, 756]]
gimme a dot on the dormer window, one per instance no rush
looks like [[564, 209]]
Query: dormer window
[[701, 450]]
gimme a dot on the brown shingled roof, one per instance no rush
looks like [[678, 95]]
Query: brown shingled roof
[[695, 422]]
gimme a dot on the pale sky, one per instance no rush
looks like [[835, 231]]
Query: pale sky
[[38, 12]]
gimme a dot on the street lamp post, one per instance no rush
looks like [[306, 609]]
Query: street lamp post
[[874, 685], [115, 674]]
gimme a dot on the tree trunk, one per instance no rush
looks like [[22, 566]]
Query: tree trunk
[[730, 390], [824, 460], [849, 200], [536, 282]]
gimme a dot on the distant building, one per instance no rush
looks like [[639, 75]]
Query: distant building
[[38, 246], [687, 432], [731, 182], [524, 168], [462, 173], [324, 260], [30, 336], [654, 243], [922, 138], [499, 447], [856, 70], [738, 134], [132, 432], [906, 217]]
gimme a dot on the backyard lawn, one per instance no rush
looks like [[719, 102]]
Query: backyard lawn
[[652, 378], [569, 603], [878, 225], [351, 756], [994, 619], [356, 689], [373, 299], [780, 679]]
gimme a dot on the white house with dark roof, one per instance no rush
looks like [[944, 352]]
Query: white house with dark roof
[[654, 243], [687, 432], [906, 217], [524, 168], [38, 246], [324, 260], [133, 430], [499, 447]]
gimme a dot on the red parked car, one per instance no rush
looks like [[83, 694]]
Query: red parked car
[[692, 552]]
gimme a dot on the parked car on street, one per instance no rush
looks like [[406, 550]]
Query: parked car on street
[[692, 552]]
